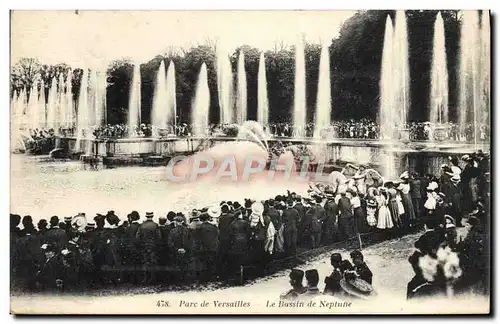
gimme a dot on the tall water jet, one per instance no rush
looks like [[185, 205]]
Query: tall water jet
[[52, 118], [91, 97], [387, 110], [200, 107], [83, 121], [42, 107], [160, 101], [263, 101], [299, 98], [401, 69], [388, 114], [485, 68], [171, 113], [33, 107], [99, 90], [134, 105], [61, 102], [439, 76], [69, 100], [469, 70], [224, 85], [241, 104], [324, 98]]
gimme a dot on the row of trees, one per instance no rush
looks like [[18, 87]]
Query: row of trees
[[355, 63]]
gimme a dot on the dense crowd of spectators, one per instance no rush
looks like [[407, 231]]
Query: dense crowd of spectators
[[215, 241], [348, 129]]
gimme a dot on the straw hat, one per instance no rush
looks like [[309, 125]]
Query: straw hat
[[79, 222], [405, 175], [357, 288], [214, 211], [257, 208], [432, 186]]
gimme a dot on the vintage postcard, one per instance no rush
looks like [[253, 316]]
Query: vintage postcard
[[250, 162]]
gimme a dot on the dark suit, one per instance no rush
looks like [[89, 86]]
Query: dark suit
[[456, 202], [364, 272], [275, 217], [148, 235], [332, 283], [329, 230], [313, 225], [57, 236], [179, 238], [239, 243], [130, 247], [290, 231], [429, 242], [345, 222], [205, 249], [225, 221]]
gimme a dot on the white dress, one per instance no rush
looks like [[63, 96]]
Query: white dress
[[384, 214]]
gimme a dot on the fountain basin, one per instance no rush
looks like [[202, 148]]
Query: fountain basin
[[422, 156]]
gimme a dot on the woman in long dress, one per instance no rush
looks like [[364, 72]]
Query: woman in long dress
[[404, 191], [359, 213], [384, 215], [392, 204]]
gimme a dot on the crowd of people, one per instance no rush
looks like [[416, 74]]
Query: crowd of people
[[444, 262], [347, 129], [214, 242]]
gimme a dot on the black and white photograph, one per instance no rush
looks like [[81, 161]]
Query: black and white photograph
[[231, 162]]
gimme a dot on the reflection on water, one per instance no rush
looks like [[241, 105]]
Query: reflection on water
[[43, 188]]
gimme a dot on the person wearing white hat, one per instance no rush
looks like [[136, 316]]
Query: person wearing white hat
[[263, 233], [432, 196]]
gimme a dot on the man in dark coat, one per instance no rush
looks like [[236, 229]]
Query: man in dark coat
[[42, 226], [290, 230], [314, 222], [416, 193], [15, 220], [332, 282], [130, 248], [28, 226], [55, 235], [51, 273], [455, 200], [179, 246], [29, 258], [330, 221], [67, 225], [430, 241], [312, 278], [225, 220], [345, 221], [296, 278], [112, 242], [468, 173], [206, 247], [239, 243], [163, 243], [360, 266], [148, 235], [275, 216]]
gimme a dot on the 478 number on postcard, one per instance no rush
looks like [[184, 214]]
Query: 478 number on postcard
[[162, 303]]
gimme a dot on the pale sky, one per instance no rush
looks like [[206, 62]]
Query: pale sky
[[97, 37]]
